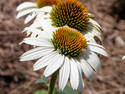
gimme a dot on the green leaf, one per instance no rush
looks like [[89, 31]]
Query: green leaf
[[40, 92], [67, 90], [40, 81]]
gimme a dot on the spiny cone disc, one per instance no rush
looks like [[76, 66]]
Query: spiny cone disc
[[71, 13], [69, 41]]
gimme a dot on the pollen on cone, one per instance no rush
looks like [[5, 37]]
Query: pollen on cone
[[42, 3]]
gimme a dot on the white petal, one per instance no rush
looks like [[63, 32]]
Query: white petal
[[86, 68], [95, 44], [38, 20], [26, 5], [44, 61], [54, 66], [64, 74], [81, 83], [46, 9], [74, 75], [35, 53], [94, 23], [94, 61], [37, 32], [34, 50], [25, 12], [97, 50], [37, 42], [89, 37], [47, 26], [29, 18], [94, 32]]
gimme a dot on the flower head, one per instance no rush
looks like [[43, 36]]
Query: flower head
[[68, 51], [71, 13]]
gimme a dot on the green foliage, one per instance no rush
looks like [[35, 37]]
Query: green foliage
[[67, 90], [41, 81], [40, 92]]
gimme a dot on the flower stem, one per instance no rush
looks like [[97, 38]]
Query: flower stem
[[52, 83]]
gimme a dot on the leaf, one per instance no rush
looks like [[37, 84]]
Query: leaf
[[67, 90], [40, 92], [40, 81]]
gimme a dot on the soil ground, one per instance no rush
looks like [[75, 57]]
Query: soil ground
[[16, 77]]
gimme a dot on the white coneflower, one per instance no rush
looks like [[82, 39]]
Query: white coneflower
[[66, 50], [42, 8]]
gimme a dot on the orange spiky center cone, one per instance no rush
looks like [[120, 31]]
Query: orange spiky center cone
[[70, 12], [69, 42]]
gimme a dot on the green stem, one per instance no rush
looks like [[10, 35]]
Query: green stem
[[52, 83]]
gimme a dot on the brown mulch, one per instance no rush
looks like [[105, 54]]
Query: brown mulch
[[16, 77]]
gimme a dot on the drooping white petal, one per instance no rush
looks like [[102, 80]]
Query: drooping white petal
[[97, 50], [81, 83], [93, 30], [30, 17], [37, 32], [89, 37], [46, 9], [87, 69], [54, 66], [95, 44], [92, 33], [35, 53], [64, 74], [37, 42], [94, 61], [97, 33], [25, 12], [26, 5], [44, 61], [74, 75], [94, 23]]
